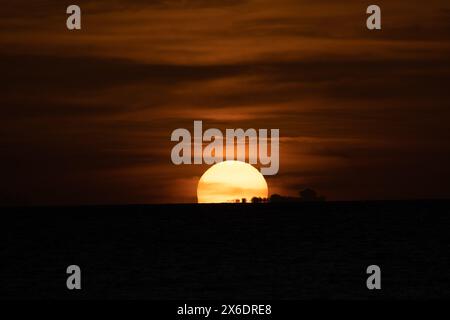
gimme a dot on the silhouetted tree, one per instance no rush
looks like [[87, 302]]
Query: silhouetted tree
[[257, 200], [310, 195], [276, 198], [305, 195]]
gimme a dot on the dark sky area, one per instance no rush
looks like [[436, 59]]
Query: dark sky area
[[87, 115]]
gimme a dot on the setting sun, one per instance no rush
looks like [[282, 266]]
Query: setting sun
[[229, 181]]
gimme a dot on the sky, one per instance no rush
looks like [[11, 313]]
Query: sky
[[87, 115]]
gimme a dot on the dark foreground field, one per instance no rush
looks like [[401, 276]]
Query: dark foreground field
[[266, 251]]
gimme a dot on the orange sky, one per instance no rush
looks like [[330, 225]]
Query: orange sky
[[87, 115]]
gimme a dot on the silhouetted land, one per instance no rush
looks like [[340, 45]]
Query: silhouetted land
[[251, 251]]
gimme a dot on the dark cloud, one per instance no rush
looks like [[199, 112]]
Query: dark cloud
[[45, 8], [89, 73]]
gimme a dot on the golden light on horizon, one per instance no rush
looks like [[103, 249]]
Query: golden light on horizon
[[229, 181]]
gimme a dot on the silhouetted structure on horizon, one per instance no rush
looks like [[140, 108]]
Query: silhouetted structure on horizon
[[259, 200], [305, 195]]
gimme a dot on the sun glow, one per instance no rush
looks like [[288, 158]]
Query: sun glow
[[229, 181]]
